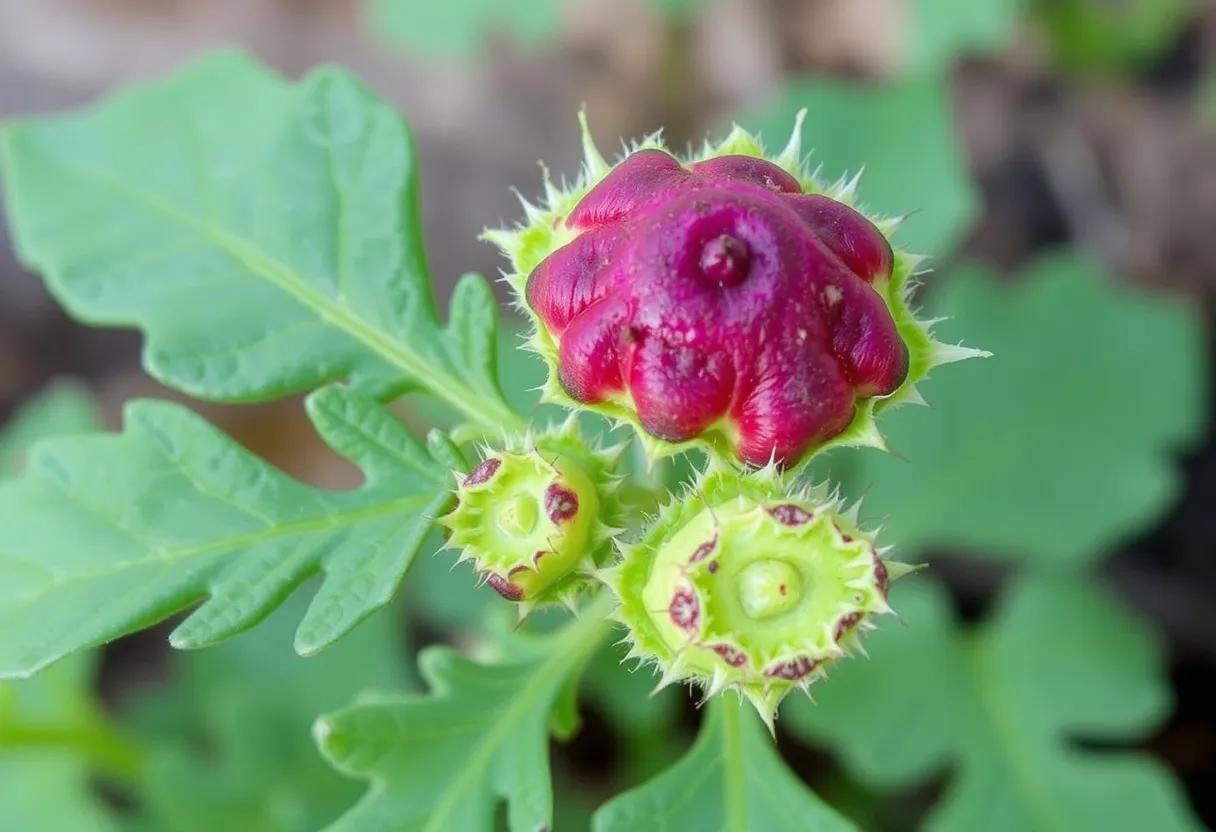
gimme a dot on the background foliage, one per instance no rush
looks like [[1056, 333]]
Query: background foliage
[[1020, 694]]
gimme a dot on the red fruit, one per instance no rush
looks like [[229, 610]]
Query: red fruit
[[721, 296]]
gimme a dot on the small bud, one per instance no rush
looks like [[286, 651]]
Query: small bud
[[536, 520]]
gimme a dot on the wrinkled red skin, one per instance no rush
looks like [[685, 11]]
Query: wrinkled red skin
[[721, 290]]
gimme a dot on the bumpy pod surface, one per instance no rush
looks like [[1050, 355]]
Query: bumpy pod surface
[[726, 300], [740, 584], [536, 521]]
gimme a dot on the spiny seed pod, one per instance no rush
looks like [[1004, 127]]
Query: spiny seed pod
[[727, 300], [741, 584], [536, 520]]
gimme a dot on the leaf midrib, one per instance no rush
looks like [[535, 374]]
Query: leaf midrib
[[566, 653], [299, 527], [443, 386], [1022, 762]]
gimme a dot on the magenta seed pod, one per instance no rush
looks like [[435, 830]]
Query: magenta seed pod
[[726, 300]]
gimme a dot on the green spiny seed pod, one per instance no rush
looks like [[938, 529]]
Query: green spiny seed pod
[[537, 519], [742, 584]]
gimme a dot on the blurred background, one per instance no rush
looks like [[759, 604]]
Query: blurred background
[[1059, 158]]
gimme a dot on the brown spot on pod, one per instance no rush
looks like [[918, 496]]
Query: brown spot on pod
[[790, 514], [560, 503], [733, 656], [847, 538], [704, 550], [793, 669], [504, 587], [483, 472], [846, 623], [880, 575], [685, 609], [712, 566]]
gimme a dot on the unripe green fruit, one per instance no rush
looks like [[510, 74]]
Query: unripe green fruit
[[742, 584], [536, 520]]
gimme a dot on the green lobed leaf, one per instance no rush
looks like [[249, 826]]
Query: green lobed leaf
[[732, 780], [1059, 445], [444, 761], [1003, 707], [107, 534], [260, 255], [221, 748], [229, 735], [52, 730], [902, 135]]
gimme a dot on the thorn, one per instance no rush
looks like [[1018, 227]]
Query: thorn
[[898, 569], [592, 158], [850, 188], [791, 157], [569, 600], [705, 501], [765, 708], [523, 610], [716, 685], [950, 353], [898, 455], [670, 676]]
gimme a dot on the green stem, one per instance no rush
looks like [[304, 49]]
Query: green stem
[[109, 752], [727, 714]]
